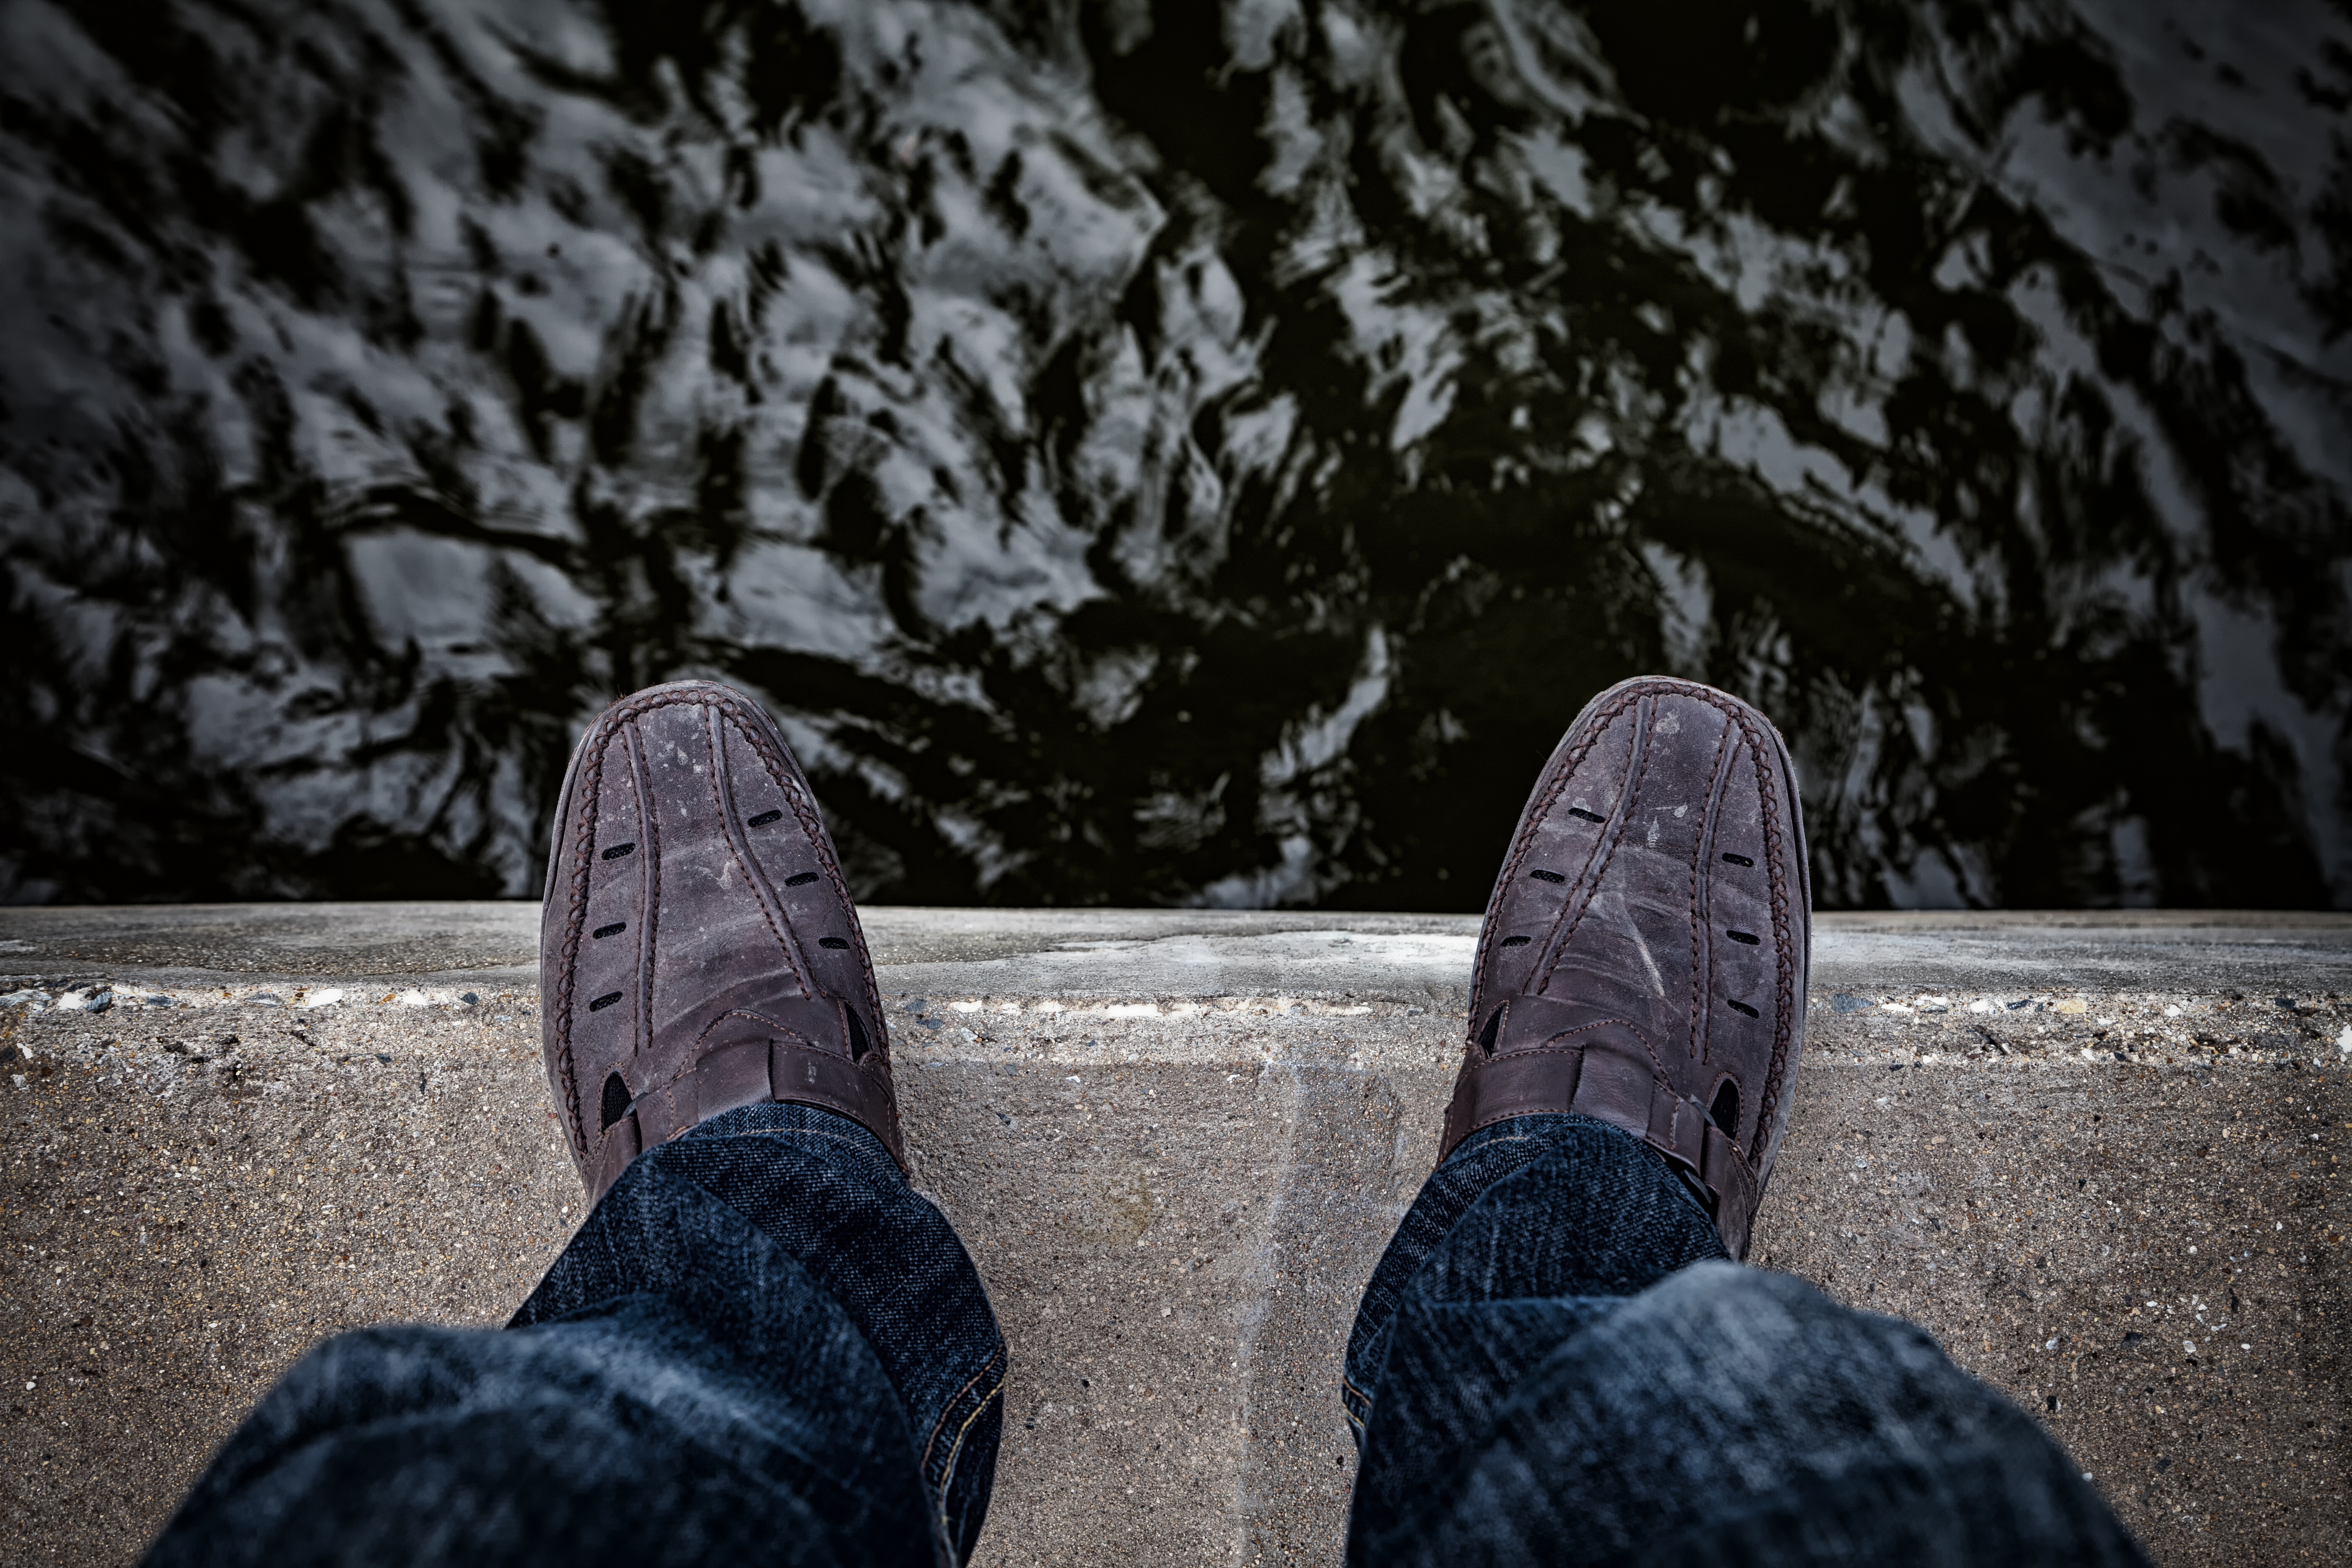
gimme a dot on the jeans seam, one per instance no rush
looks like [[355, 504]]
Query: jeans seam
[[932, 1441], [841, 1137], [1504, 1138], [1347, 1387], [997, 1360]]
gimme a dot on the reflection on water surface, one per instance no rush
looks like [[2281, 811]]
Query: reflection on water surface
[[1176, 452]]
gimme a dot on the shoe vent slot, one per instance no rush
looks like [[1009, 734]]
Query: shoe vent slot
[[1740, 860], [615, 929], [603, 1002], [617, 850], [1515, 941], [764, 818], [858, 1043], [1541, 876], [1724, 1111], [838, 943], [801, 881], [1494, 1027], [617, 1099], [1742, 1008], [1578, 811], [1745, 938]]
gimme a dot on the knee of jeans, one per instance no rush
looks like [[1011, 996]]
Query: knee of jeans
[[1712, 1279], [1704, 1297], [1769, 1313], [1720, 1280]]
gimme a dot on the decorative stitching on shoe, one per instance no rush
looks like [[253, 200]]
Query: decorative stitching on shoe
[[763, 893], [785, 1034], [1775, 855], [1588, 881], [567, 954], [1575, 751], [787, 779], [648, 894], [1658, 1080], [1702, 948], [1642, 1133]]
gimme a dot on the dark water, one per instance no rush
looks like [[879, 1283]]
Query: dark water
[[1153, 453]]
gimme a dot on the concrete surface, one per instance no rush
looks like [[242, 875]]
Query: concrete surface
[[2097, 1155]]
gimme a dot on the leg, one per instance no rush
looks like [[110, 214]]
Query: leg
[[762, 1341], [1559, 1360], [1555, 1363], [1539, 1209]]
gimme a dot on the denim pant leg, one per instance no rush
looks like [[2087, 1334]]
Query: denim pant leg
[[1555, 1363], [761, 1345]]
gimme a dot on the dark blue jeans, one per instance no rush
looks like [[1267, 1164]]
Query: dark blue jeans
[[1555, 1363], [761, 1347], [762, 1344]]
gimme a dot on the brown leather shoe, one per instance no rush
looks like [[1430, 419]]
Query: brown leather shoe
[[698, 950], [1645, 954]]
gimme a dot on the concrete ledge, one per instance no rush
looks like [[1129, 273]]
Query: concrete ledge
[[2096, 1155]]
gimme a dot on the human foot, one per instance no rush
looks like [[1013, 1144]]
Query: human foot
[[1644, 954], [699, 949]]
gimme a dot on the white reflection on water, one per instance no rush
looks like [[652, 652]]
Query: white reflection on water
[[1175, 455]]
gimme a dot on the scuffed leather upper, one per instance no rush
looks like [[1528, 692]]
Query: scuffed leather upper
[[1644, 954], [698, 950]]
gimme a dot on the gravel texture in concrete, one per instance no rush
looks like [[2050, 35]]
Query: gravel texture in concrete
[[2098, 1156]]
